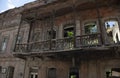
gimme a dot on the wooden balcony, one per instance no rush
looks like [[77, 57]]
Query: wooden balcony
[[59, 45]]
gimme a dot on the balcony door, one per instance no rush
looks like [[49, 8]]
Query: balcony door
[[91, 36], [51, 34], [74, 72], [68, 31], [68, 36]]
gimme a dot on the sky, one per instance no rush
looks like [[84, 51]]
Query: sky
[[9, 4]]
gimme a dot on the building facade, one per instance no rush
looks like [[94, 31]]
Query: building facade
[[61, 39]]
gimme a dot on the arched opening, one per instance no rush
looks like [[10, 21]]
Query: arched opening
[[113, 32]]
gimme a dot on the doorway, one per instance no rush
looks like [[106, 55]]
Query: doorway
[[74, 72]]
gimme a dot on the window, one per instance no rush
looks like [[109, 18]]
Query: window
[[68, 34], [10, 72], [19, 39], [90, 28], [69, 30], [36, 36], [112, 30], [74, 72], [34, 72], [52, 73], [4, 43], [3, 70], [91, 38], [51, 34]]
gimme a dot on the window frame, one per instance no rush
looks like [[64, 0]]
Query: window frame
[[86, 23], [49, 71], [31, 72], [67, 26], [1, 44], [48, 35]]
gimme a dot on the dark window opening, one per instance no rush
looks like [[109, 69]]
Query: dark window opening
[[52, 73], [74, 72], [51, 34], [69, 31], [10, 72]]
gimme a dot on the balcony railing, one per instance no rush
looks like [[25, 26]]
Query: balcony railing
[[83, 41]]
